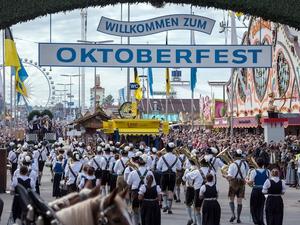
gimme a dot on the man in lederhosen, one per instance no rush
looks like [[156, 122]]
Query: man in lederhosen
[[120, 167], [237, 173], [168, 164], [179, 174], [106, 164], [40, 156], [135, 180], [12, 158], [96, 161], [156, 172]]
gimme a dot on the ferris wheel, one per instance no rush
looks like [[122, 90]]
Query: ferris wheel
[[39, 84]]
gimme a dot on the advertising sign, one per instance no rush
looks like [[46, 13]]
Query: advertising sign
[[156, 25], [155, 56]]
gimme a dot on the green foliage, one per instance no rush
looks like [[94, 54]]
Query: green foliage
[[32, 114], [47, 112], [285, 12]]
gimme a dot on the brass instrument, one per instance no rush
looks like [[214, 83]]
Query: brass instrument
[[252, 165], [227, 158], [189, 156], [132, 164], [161, 152]]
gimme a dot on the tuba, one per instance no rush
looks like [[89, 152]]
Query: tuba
[[132, 164]]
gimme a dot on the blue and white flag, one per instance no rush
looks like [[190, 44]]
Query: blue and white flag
[[150, 80], [193, 69]]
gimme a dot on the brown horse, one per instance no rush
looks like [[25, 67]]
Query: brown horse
[[110, 210]]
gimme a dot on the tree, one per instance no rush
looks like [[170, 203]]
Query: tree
[[108, 100]]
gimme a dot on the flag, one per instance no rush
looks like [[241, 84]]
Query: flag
[[11, 57], [193, 70], [150, 81], [138, 93], [134, 109], [168, 84]]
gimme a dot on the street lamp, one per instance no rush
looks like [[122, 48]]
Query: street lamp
[[70, 76], [95, 68]]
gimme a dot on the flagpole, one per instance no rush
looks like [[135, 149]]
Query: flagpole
[[192, 105], [128, 69], [148, 101], [3, 69], [11, 103]]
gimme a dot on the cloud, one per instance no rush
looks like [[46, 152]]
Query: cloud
[[66, 27]]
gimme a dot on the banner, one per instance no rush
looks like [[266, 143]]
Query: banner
[[155, 56], [156, 25]]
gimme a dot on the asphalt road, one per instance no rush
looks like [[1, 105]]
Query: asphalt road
[[179, 217]]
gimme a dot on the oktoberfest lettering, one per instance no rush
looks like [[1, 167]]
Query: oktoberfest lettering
[[156, 25], [156, 56]]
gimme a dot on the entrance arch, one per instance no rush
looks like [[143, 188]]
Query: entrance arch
[[285, 12]]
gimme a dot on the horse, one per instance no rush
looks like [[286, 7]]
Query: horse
[[74, 198], [110, 210]]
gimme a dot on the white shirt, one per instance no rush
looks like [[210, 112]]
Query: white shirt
[[76, 167], [196, 178], [134, 178], [33, 176], [154, 162], [143, 189], [182, 159], [40, 154], [106, 162], [170, 159], [203, 188], [96, 162], [188, 183], [233, 169], [12, 157], [127, 171], [24, 178], [83, 179], [267, 185], [120, 165], [217, 163], [130, 154]]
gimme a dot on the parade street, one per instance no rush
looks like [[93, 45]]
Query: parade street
[[291, 204]]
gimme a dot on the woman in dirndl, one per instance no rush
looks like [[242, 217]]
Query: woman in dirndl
[[150, 196], [58, 171], [211, 210], [274, 188], [291, 172]]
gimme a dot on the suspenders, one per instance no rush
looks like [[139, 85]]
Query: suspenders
[[142, 177], [98, 166], [107, 162], [239, 172], [167, 164]]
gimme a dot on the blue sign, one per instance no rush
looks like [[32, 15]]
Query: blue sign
[[155, 56], [156, 25], [134, 86]]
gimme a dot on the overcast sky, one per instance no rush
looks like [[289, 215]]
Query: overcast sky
[[66, 27]]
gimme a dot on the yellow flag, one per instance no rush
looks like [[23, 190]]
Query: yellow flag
[[138, 93], [134, 109], [168, 84], [10, 52]]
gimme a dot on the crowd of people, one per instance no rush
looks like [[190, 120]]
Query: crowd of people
[[187, 166]]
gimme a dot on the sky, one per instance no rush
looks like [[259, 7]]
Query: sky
[[66, 28]]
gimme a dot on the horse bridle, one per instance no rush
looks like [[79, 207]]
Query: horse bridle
[[103, 220]]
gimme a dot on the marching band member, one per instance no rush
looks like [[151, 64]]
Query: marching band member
[[135, 180], [168, 164], [58, 171], [156, 172], [120, 167], [211, 210], [257, 200], [179, 174], [12, 158], [237, 173], [150, 197], [23, 179], [96, 161], [72, 171], [89, 180], [40, 156], [198, 178], [215, 162], [113, 174], [190, 192], [274, 188], [106, 167]]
